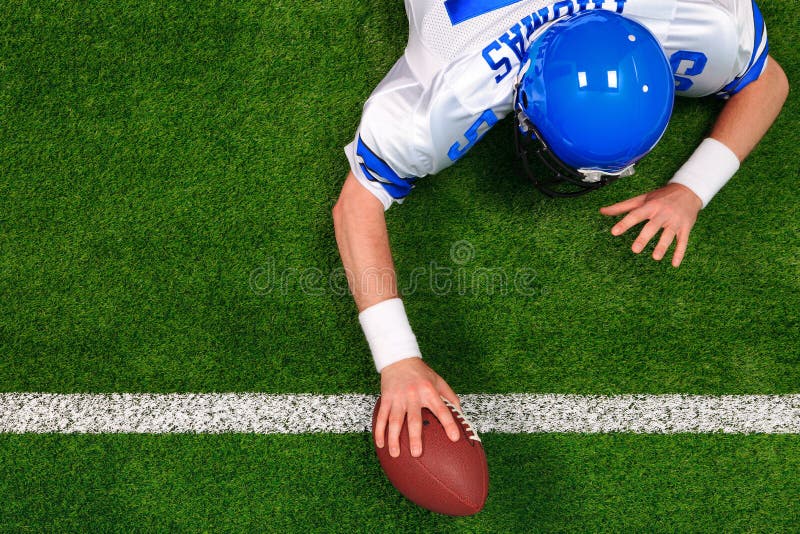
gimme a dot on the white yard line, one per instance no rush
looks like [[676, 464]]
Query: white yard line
[[145, 413]]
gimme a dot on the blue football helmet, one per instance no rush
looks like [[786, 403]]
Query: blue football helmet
[[595, 96]]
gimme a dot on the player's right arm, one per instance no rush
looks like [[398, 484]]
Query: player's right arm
[[407, 383], [414, 124]]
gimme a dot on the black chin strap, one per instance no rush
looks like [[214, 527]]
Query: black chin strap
[[564, 182]]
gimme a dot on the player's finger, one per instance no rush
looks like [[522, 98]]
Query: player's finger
[[627, 222], [414, 417], [446, 392], [396, 418], [663, 244], [445, 417], [648, 231], [623, 207], [680, 249], [380, 423]]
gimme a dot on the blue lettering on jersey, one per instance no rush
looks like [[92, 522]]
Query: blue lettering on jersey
[[500, 54], [545, 14], [473, 134], [504, 63], [564, 4], [527, 22], [515, 41], [685, 64]]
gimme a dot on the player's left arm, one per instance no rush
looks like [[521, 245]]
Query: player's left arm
[[673, 209]]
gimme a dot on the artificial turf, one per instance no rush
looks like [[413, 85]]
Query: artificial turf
[[539, 483], [166, 177]]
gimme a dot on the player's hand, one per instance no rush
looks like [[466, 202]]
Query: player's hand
[[408, 386], [671, 209]]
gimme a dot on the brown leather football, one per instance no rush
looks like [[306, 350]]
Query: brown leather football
[[449, 477]]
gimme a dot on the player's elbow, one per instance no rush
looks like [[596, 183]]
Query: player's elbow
[[355, 204], [778, 81], [345, 208], [342, 206], [337, 210], [339, 213], [345, 205], [783, 85]]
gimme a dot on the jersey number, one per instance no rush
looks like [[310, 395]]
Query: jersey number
[[685, 64], [473, 134], [461, 10]]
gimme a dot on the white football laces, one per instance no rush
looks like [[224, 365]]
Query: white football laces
[[471, 434]]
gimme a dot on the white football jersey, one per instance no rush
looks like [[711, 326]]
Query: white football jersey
[[458, 71]]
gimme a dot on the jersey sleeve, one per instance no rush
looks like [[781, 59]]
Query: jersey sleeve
[[415, 125], [385, 155], [753, 47], [715, 47]]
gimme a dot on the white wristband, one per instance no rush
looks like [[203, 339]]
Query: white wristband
[[709, 168], [388, 333]]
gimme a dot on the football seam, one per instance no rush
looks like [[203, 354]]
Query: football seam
[[463, 422], [463, 500]]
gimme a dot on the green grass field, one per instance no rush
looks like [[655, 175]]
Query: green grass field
[[157, 158]]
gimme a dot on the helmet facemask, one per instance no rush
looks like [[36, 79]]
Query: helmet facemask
[[564, 181]]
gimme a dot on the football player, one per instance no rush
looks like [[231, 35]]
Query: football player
[[590, 84]]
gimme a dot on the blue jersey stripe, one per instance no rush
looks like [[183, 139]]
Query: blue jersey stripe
[[461, 10], [760, 27], [377, 170], [757, 61]]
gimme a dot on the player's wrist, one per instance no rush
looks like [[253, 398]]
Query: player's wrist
[[709, 168], [693, 200], [388, 333], [403, 365]]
